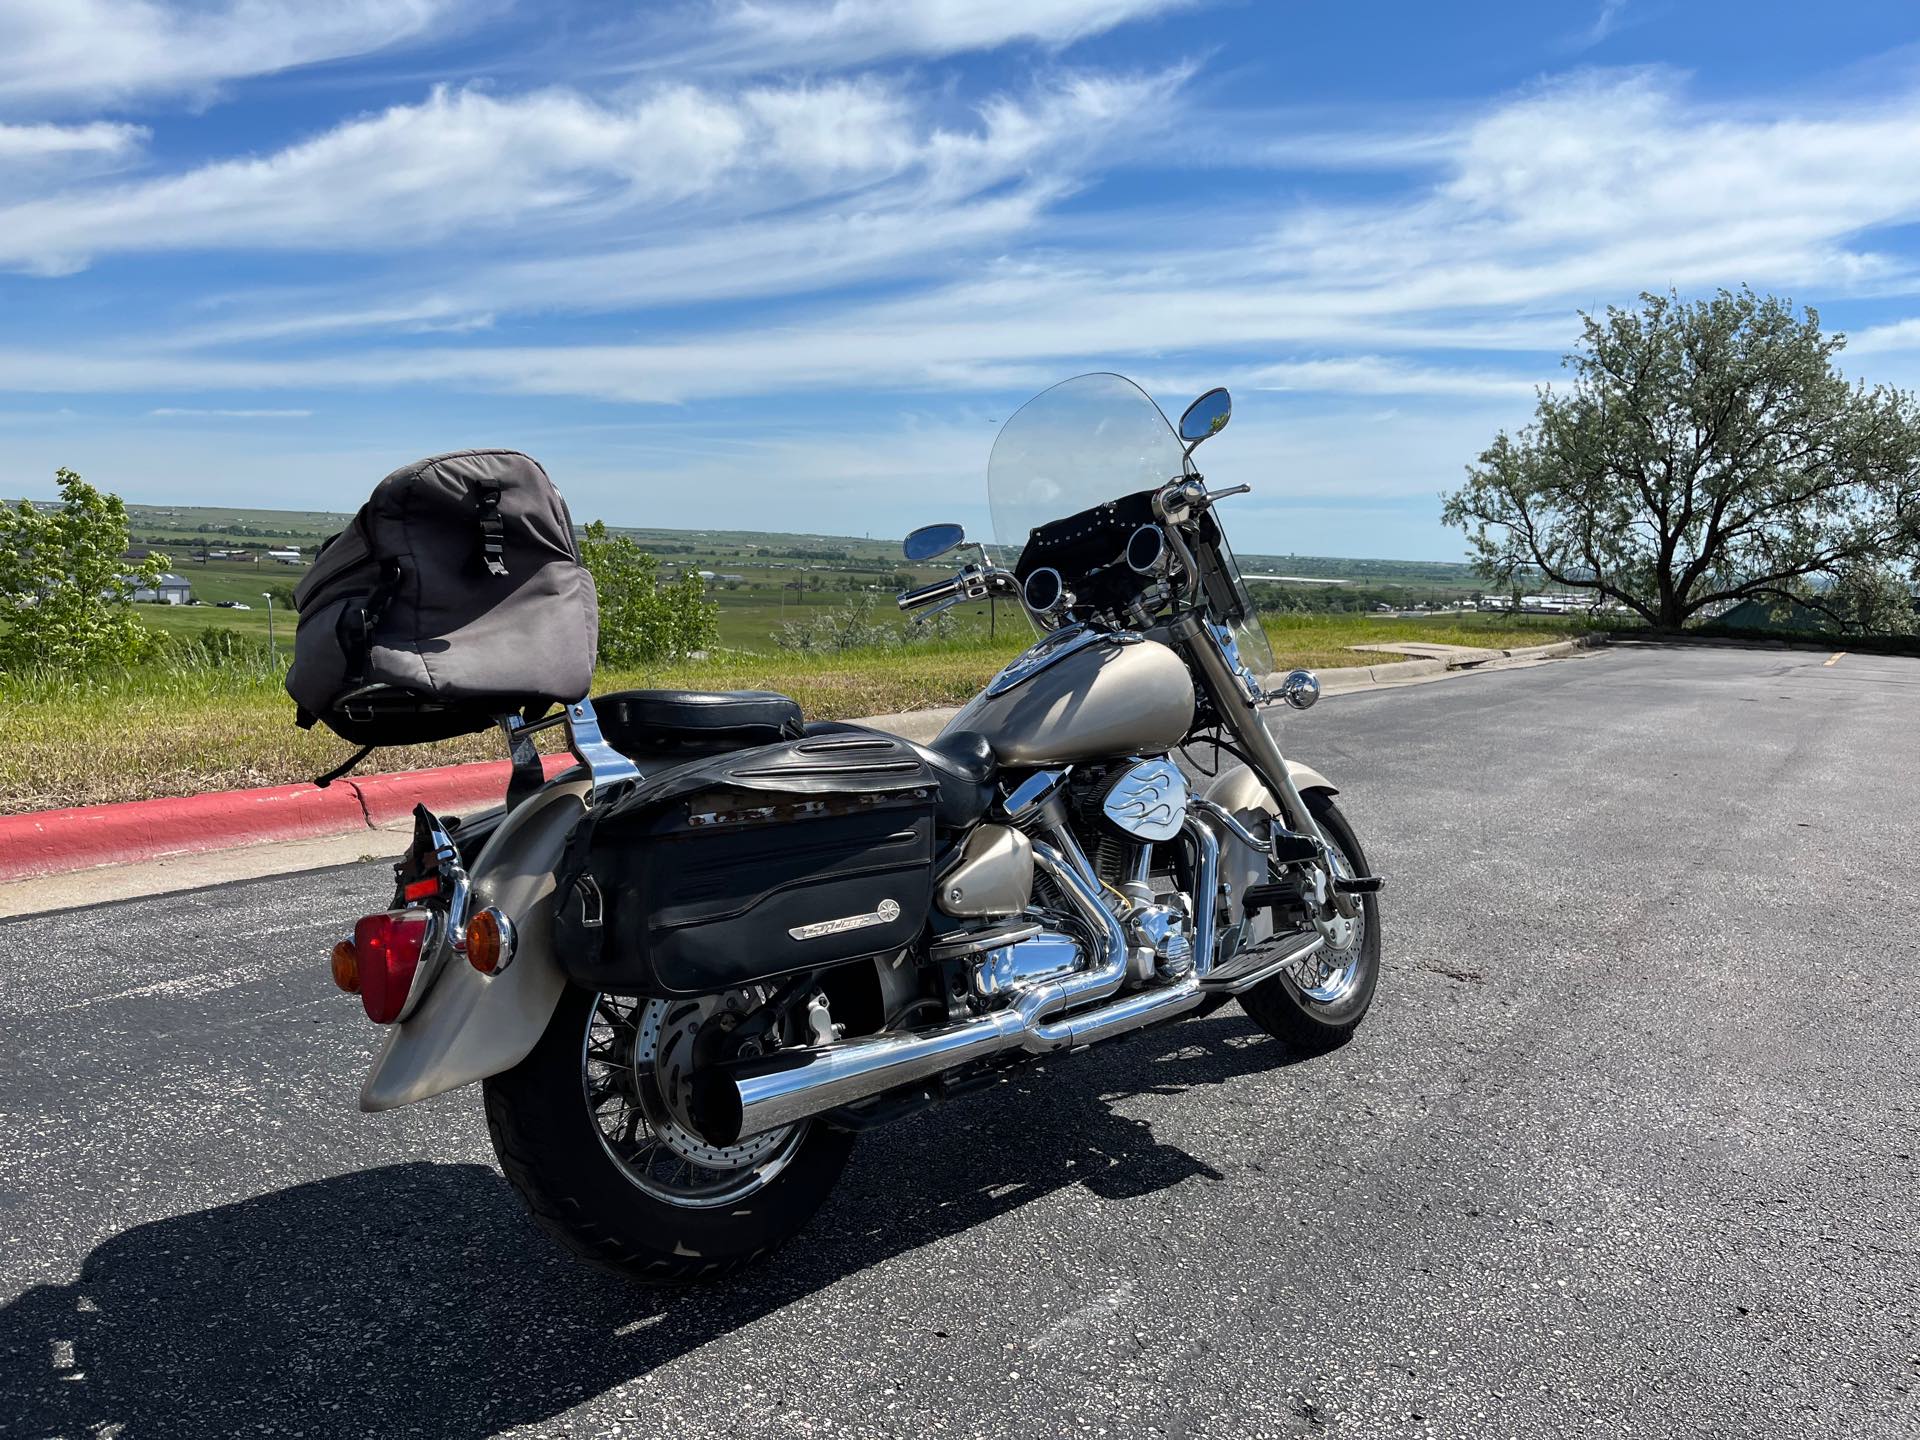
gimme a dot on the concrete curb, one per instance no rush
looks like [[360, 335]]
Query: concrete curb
[[55, 842]]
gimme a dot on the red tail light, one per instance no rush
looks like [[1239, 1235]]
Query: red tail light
[[387, 948]]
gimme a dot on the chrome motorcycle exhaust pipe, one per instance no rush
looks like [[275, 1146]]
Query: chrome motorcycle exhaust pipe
[[801, 1083], [786, 1088]]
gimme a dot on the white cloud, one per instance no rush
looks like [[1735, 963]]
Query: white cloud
[[468, 174], [1573, 195], [105, 51], [768, 33], [1604, 23], [96, 141], [1879, 339], [188, 412], [1378, 375]]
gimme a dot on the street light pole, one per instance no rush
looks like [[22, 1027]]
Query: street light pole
[[272, 649]]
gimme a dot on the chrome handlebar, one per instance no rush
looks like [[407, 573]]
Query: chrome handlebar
[[930, 594], [969, 582]]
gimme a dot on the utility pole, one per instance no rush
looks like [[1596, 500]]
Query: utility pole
[[272, 649]]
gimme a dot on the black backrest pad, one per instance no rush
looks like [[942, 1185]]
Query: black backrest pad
[[637, 721]]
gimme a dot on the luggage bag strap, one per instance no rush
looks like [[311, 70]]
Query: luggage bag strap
[[358, 622], [493, 535]]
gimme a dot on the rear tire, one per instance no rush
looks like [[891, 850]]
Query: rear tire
[[555, 1152], [1304, 1023]]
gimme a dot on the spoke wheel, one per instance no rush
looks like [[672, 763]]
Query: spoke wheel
[[1331, 974], [593, 1129], [1318, 1001], [637, 1063]]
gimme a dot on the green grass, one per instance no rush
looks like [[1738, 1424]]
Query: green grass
[[150, 731]]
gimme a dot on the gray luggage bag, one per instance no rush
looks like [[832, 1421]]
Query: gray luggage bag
[[455, 596]]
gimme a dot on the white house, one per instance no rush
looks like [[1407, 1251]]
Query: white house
[[285, 557], [171, 590]]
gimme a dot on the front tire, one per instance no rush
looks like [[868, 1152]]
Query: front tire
[[1317, 1006], [587, 1131]]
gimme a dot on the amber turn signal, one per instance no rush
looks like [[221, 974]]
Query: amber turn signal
[[489, 941], [346, 967]]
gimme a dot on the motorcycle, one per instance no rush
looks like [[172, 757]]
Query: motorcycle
[[691, 969]]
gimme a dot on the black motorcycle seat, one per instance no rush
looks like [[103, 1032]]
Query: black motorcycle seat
[[640, 720], [962, 763]]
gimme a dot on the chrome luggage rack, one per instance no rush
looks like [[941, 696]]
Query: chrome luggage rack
[[604, 765]]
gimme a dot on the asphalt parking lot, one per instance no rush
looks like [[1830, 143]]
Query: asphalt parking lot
[[1627, 1146]]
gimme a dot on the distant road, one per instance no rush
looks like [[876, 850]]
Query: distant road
[[1627, 1147]]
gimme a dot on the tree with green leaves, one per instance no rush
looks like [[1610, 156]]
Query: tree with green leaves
[[642, 620], [1706, 452], [65, 584]]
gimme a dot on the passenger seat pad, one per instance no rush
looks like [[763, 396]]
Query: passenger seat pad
[[643, 719]]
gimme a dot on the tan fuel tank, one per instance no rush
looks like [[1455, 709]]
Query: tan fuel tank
[[1109, 698]]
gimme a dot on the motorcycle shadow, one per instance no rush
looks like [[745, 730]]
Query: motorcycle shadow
[[420, 1296]]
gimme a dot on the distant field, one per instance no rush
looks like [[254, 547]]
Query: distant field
[[764, 578], [147, 733]]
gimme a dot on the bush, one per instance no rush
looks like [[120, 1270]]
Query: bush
[[861, 625], [642, 621]]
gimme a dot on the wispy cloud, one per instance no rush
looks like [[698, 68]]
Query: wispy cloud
[[1571, 196], [183, 411], [487, 168], [765, 34], [1604, 24], [99, 139], [84, 52]]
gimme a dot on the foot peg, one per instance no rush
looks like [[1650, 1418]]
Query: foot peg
[[1267, 897], [1291, 849], [1359, 884]]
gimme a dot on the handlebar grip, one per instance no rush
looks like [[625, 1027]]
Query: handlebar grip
[[928, 594]]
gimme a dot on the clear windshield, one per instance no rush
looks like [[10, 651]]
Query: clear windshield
[[1086, 441], [1082, 443]]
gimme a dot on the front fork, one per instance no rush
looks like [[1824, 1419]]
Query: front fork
[[1240, 714]]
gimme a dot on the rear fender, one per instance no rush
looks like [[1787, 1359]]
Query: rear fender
[[470, 1025]]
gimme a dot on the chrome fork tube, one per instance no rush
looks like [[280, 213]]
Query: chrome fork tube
[[1244, 720]]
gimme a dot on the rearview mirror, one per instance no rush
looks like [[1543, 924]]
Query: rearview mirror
[[1206, 416], [930, 542]]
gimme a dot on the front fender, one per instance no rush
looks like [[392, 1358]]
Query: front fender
[[471, 1025], [1240, 789]]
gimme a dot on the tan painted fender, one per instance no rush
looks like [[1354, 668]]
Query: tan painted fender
[[471, 1025], [1240, 789]]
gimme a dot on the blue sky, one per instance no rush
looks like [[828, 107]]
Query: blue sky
[[786, 264]]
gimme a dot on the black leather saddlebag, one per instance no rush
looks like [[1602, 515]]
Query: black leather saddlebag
[[738, 868]]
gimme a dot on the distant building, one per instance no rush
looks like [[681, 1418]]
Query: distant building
[[285, 557], [172, 589]]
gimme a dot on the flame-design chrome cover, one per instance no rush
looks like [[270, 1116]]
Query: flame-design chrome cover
[[1148, 800]]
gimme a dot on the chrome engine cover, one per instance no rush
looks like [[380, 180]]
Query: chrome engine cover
[[1147, 800], [1007, 968]]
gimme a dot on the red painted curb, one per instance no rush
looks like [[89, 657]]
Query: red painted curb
[[52, 842], [389, 799]]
